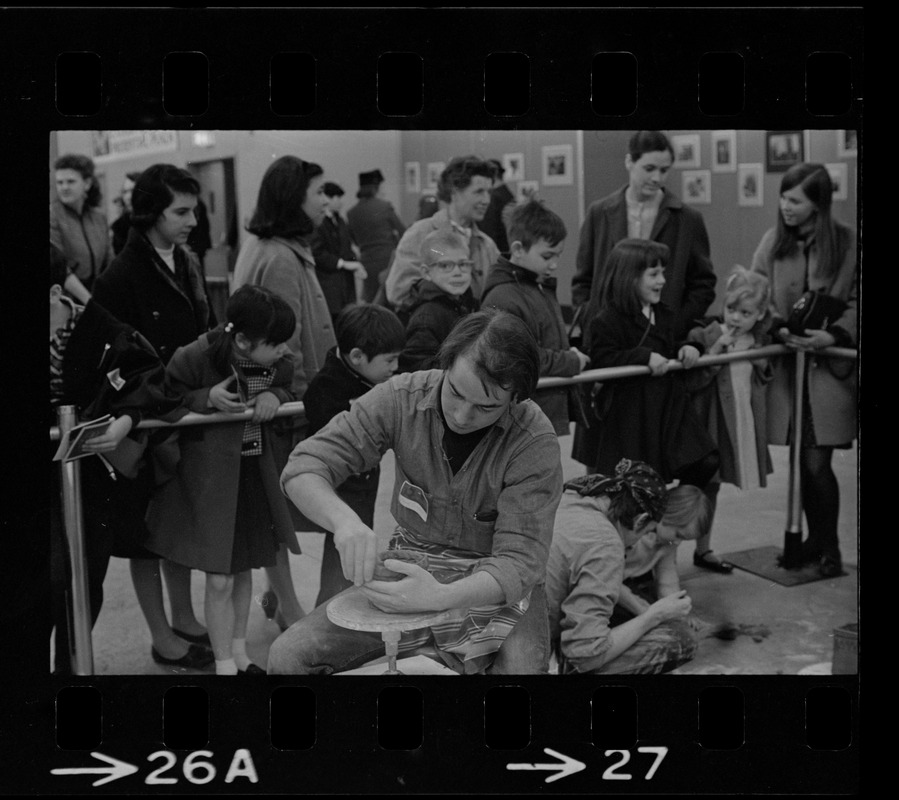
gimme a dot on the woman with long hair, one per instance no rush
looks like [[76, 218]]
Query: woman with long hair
[[809, 250]]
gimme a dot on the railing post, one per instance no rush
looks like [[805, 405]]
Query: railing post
[[792, 555], [80, 640]]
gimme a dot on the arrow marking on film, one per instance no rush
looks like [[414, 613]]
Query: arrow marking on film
[[116, 769], [564, 767]]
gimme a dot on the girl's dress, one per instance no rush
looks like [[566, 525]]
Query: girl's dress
[[731, 400], [646, 418], [224, 511]]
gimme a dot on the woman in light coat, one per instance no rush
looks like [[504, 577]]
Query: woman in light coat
[[277, 255], [808, 250]]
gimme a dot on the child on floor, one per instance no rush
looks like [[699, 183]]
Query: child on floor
[[523, 284], [650, 566], [439, 300], [643, 418], [369, 341], [730, 398], [224, 512]]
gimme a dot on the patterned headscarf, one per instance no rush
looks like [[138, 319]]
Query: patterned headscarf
[[636, 478]]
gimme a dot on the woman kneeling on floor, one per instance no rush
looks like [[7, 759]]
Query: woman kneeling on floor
[[597, 624]]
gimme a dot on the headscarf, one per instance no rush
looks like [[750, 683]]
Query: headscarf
[[637, 478]]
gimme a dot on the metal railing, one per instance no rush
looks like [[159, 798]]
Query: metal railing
[[82, 649]]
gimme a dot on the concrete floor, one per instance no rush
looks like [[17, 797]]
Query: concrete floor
[[776, 629]]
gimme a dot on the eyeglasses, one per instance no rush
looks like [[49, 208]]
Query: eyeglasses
[[448, 266]]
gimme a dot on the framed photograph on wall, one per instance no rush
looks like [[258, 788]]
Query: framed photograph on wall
[[434, 170], [413, 177], [783, 149], [696, 186], [558, 164], [750, 185], [724, 151], [847, 144], [526, 190], [513, 164], [839, 176], [686, 150]]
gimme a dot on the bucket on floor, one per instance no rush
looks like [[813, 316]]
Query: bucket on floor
[[845, 650]]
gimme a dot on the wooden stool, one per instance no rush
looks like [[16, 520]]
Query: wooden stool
[[354, 611]]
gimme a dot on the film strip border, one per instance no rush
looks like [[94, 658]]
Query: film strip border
[[433, 68]]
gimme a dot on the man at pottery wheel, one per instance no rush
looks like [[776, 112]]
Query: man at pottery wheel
[[478, 480]]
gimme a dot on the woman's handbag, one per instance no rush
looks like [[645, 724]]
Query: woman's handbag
[[814, 311]]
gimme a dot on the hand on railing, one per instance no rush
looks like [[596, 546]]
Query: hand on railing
[[222, 399], [813, 340]]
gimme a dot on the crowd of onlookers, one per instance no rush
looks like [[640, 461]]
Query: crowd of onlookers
[[428, 339]]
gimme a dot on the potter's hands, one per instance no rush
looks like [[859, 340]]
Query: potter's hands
[[358, 548], [418, 591]]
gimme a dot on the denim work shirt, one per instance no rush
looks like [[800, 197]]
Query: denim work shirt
[[502, 502]]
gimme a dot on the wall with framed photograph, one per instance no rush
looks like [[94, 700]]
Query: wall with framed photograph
[[686, 150], [783, 149], [847, 144], [750, 185], [433, 175], [558, 164], [839, 176], [696, 186], [413, 177], [724, 151], [513, 164]]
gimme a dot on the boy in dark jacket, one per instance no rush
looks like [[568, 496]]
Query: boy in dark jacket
[[523, 285], [439, 300], [369, 341]]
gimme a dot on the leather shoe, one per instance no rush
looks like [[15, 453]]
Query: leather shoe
[[196, 657], [196, 638], [712, 563], [830, 567], [269, 603], [252, 669]]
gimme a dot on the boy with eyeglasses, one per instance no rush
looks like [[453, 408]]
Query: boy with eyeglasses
[[525, 285], [439, 300]]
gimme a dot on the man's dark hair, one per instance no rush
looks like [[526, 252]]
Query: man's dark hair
[[154, 191], [279, 206], [372, 328], [501, 348], [648, 142], [333, 189], [459, 173], [532, 221]]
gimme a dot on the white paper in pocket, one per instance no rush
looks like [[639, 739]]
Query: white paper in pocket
[[414, 499]]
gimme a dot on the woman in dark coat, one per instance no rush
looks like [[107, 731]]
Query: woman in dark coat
[[157, 286], [645, 209], [102, 366], [336, 266], [376, 228]]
